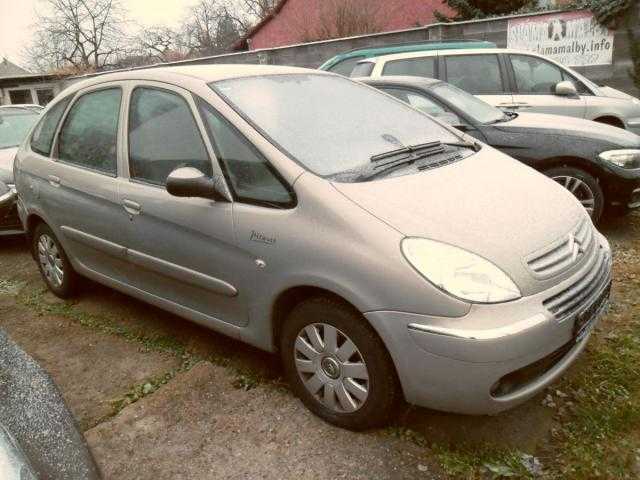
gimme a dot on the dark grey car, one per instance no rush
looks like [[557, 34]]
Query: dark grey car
[[599, 164]]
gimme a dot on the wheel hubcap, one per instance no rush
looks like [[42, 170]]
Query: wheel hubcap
[[50, 261], [580, 190], [331, 367]]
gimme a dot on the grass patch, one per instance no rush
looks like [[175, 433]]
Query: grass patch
[[471, 463], [598, 439]]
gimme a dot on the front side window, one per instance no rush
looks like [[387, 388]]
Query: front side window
[[345, 67], [45, 130], [476, 74], [163, 136], [534, 75], [417, 67], [15, 124], [89, 136], [328, 124], [247, 171]]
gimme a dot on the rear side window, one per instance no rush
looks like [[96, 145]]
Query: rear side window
[[252, 178], [476, 74], [42, 137], [362, 69], [418, 67], [345, 67], [89, 135], [163, 136]]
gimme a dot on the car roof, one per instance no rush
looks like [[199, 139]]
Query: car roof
[[198, 73], [420, 46], [460, 51], [400, 80]]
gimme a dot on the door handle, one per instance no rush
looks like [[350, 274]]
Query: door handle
[[514, 105], [53, 180], [132, 208]]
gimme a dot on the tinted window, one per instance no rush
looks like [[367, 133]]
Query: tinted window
[[43, 134], [362, 69], [416, 100], [249, 174], [14, 125], [477, 74], [345, 66], [329, 124], [163, 136], [419, 67], [534, 75], [89, 135]]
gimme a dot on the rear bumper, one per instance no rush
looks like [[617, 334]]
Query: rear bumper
[[460, 365]]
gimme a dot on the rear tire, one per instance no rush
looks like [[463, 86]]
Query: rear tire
[[583, 186], [53, 263], [351, 385]]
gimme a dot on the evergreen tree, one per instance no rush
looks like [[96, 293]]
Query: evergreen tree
[[470, 9]]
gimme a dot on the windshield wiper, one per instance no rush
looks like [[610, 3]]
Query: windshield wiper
[[411, 154]]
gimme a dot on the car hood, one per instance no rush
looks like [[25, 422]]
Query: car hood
[[613, 93], [7, 155], [488, 204], [569, 126]]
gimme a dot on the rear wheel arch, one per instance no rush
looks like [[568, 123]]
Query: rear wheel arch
[[33, 220]]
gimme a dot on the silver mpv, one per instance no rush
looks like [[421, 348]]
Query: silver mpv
[[382, 253]]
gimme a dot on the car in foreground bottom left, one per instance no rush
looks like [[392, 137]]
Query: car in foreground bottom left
[[383, 254]]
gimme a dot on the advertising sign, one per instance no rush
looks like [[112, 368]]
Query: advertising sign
[[571, 38]]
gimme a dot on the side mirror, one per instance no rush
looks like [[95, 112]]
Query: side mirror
[[566, 89], [191, 182], [7, 199]]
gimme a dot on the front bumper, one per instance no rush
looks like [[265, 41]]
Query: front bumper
[[495, 357]]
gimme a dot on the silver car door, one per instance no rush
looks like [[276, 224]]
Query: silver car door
[[184, 248], [82, 184], [535, 82]]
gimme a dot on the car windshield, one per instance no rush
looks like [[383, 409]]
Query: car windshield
[[14, 126], [475, 108], [327, 123]]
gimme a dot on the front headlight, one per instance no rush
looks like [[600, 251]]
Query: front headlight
[[635, 101], [622, 158], [458, 272]]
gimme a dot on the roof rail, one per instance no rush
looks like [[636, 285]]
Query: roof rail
[[417, 42]]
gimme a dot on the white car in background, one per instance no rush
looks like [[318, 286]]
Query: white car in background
[[513, 80]]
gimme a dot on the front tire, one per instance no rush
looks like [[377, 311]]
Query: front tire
[[583, 186], [337, 365], [53, 263]]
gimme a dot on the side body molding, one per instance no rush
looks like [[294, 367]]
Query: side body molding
[[154, 264]]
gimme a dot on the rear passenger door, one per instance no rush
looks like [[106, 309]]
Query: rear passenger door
[[82, 191], [535, 81], [482, 75], [184, 248]]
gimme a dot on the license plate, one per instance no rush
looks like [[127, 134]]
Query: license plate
[[587, 318]]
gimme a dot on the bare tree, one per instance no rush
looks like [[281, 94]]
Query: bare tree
[[343, 18], [85, 34], [159, 43], [212, 26]]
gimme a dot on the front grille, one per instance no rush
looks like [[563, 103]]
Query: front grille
[[572, 299], [564, 253]]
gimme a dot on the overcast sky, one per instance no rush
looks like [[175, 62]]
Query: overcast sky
[[17, 16]]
